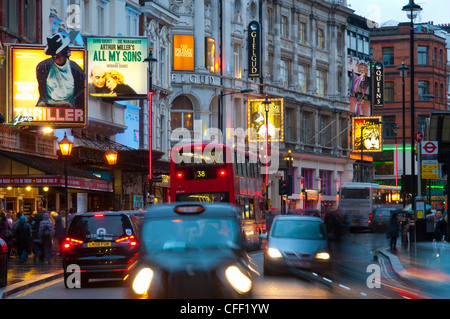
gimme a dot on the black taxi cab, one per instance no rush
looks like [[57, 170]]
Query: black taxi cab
[[191, 250], [99, 245]]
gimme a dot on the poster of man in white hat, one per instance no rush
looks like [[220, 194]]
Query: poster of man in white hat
[[61, 81]]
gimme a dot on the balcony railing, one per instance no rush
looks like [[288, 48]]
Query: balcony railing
[[21, 141]]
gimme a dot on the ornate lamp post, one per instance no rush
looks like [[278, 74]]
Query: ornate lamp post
[[111, 157], [65, 147], [403, 69], [412, 10], [151, 61]]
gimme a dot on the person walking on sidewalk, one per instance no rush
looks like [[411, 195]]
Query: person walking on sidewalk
[[440, 230], [23, 238], [46, 232], [392, 232]]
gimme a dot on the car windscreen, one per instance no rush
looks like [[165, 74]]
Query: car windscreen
[[298, 229], [90, 228], [181, 234]]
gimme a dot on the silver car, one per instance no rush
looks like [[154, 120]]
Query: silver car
[[298, 242]]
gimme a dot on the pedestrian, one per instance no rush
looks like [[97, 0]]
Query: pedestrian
[[23, 239], [6, 232], [34, 221], [392, 232], [440, 230], [59, 230], [46, 232]]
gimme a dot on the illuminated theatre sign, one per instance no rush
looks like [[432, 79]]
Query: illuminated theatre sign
[[27, 104], [254, 50], [367, 135]]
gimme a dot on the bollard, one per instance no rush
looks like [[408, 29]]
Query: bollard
[[3, 263]]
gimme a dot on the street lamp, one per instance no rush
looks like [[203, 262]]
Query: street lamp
[[412, 10], [111, 157], [403, 69], [65, 147], [151, 61]]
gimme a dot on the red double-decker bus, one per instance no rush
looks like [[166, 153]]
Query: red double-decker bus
[[209, 172]]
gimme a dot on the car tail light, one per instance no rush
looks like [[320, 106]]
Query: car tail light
[[130, 240], [99, 215], [70, 243]]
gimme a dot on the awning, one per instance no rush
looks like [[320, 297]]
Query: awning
[[49, 172]]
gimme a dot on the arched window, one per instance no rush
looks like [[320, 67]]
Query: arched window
[[182, 113]]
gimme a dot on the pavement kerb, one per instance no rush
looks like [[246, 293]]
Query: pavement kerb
[[395, 263], [15, 288]]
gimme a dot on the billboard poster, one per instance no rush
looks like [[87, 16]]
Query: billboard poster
[[183, 52], [254, 50], [367, 136], [256, 116], [116, 67], [47, 84]]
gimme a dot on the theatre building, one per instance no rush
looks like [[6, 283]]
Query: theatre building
[[32, 176]]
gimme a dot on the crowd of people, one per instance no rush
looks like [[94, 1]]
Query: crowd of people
[[39, 235]]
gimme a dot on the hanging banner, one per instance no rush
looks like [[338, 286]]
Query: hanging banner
[[254, 50], [367, 136], [378, 91]]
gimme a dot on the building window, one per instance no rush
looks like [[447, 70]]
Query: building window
[[442, 93], [291, 125], [162, 67], [320, 39], [284, 26], [302, 78], [302, 32], [326, 187], [320, 82], [388, 56], [284, 73], [422, 56], [389, 91], [388, 126], [423, 89], [182, 115], [308, 178], [366, 46]]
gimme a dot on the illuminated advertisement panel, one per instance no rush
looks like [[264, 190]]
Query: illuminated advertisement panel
[[116, 67], [40, 93], [183, 52], [210, 54], [256, 120], [367, 135]]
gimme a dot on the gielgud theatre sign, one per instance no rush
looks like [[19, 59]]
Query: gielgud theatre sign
[[47, 84]]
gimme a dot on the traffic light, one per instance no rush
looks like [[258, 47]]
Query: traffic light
[[289, 185], [282, 187]]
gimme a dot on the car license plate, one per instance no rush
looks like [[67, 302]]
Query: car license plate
[[299, 264], [99, 244]]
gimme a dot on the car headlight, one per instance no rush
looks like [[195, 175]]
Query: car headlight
[[323, 256], [238, 280], [142, 281], [274, 253]]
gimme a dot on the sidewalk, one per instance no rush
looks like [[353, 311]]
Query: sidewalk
[[424, 264], [29, 274]]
